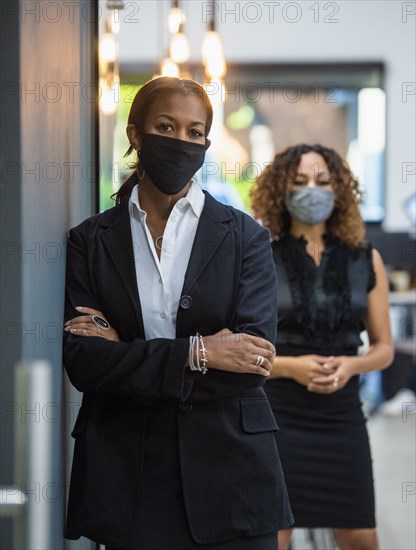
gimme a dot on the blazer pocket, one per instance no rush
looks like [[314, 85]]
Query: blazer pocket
[[80, 422], [257, 416]]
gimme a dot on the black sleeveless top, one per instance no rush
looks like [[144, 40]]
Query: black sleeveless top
[[321, 308]]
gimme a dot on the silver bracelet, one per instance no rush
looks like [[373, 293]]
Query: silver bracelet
[[204, 359], [194, 354], [198, 366], [191, 351]]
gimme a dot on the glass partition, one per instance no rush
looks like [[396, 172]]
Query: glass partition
[[260, 110]]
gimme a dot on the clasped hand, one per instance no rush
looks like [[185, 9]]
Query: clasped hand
[[322, 374]]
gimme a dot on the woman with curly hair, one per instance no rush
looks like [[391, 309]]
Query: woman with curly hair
[[331, 285]]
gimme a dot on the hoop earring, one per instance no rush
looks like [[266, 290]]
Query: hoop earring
[[142, 173]]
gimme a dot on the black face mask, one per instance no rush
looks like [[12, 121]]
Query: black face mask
[[170, 163]]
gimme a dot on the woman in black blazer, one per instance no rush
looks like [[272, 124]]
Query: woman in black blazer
[[175, 440]]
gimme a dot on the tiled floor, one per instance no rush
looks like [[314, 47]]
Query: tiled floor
[[393, 442]]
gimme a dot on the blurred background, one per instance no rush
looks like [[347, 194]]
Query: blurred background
[[278, 73]]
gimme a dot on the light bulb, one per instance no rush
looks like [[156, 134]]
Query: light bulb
[[108, 48], [213, 55], [169, 68], [109, 95], [176, 18], [179, 48], [115, 21]]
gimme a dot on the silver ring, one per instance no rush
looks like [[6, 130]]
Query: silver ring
[[259, 361], [100, 322]]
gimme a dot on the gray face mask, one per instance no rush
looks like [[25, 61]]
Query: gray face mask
[[310, 205]]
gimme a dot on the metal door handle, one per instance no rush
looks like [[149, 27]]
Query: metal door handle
[[33, 454]]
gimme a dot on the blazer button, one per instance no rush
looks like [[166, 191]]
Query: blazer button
[[185, 408], [185, 302]]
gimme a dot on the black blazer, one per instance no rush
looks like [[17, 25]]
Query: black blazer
[[230, 282]]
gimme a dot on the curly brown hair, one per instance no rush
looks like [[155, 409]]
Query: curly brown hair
[[268, 195]]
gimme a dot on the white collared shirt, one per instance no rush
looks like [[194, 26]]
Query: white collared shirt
[[160, 282]]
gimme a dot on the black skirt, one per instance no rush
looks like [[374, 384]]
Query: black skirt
[[160, 522], [325, 454]]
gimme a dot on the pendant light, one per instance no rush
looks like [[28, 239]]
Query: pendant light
[[176, 17], [212, 51]]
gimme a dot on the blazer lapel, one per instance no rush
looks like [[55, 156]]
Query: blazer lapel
[[212, 228], [116, 237], [118, 242]]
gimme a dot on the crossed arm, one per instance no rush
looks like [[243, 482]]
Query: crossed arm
[[155, 370]]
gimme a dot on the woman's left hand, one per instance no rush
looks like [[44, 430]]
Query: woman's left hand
[[340, 370], [84, 325]]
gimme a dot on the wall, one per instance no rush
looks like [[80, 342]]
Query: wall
[[47, 186], [296, 32]]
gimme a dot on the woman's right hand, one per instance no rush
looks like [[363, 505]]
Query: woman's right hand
[[238, 352], [305, 368]]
